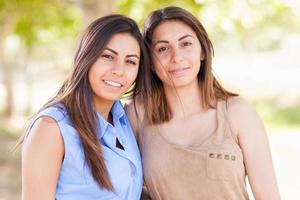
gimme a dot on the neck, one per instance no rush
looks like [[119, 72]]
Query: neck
[[103, 107], [184, 101]]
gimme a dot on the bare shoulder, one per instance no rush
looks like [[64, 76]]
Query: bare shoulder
[[44, 133], [238, 103], [241, 113], [44, 127], [42, 156], [238, 107]]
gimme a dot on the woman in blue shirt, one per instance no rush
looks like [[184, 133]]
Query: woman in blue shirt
[[80, 144]]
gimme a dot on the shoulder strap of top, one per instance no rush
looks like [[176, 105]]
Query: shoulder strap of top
[[221, 126], [229, 132], [224, 129]]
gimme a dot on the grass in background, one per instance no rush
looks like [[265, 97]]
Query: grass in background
[[275, 115]]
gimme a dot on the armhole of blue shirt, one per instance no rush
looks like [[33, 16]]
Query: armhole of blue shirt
[[57, 115]]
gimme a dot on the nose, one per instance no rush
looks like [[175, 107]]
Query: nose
[[176, 56], [118, 69]]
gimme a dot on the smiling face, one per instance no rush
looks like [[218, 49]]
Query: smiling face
[[116, 68], [177, 53]]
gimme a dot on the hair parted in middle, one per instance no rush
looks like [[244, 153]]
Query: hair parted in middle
[[156, 107]]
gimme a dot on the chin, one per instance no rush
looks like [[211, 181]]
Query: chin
[[113, 97], [182, 83], [108, 97]]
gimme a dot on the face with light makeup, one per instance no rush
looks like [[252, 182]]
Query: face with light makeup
[[177, 53], [116, 68]]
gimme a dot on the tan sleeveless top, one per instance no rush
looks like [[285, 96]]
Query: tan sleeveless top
[[214, 170]]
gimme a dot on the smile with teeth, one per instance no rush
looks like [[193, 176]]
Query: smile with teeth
[[113, 83]]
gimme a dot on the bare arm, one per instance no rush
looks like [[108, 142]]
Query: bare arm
[[255, 147], [42, 156]]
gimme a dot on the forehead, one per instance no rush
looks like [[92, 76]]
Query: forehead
[[124, 42], [171, 29]]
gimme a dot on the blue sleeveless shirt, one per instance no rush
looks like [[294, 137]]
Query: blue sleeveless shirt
[[124, 166]]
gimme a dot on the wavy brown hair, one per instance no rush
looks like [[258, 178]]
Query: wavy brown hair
[[76, 93], [156, 107]]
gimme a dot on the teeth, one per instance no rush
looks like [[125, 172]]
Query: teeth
[[112, 83]]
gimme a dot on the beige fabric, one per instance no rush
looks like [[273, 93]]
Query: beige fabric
[[213, 170]]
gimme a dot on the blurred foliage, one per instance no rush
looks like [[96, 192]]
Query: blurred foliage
[[44, 24], [139, 10], [251, 24], [258, 24], [35, 21], [276, 115], [30, 28]]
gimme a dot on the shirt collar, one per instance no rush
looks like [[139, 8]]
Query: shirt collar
[[118, 111], [118, 114]]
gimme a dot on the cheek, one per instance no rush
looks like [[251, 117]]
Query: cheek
[[92, 74], [159, 64], [132, 74], [161, 72], [161, 59], [198, 61], [194, 58]]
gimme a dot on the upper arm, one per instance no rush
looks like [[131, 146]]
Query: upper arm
[[42, 155], [254, 143]]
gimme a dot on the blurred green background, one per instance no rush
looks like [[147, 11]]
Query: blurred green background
[[256, 54]]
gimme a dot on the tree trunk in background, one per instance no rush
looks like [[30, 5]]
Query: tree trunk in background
[[9, 98], [93, 9], [7, 64]]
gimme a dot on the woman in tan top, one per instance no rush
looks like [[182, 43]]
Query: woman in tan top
[[197, 140]]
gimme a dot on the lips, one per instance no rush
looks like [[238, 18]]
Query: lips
[[113, 83], [178, 71]]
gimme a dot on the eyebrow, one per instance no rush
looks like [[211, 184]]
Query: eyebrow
[[185, 36], [165, 41], [116, 53]]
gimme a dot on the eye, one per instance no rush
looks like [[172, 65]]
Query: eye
[[107, 56], [186, 44], [162, 49], [131, 62]]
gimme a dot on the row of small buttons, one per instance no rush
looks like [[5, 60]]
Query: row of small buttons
[[222, 156]]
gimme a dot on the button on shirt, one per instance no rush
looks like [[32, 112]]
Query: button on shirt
[[124, 166]]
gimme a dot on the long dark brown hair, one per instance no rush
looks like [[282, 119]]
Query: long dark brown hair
[[76, 94], [156, 107]]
